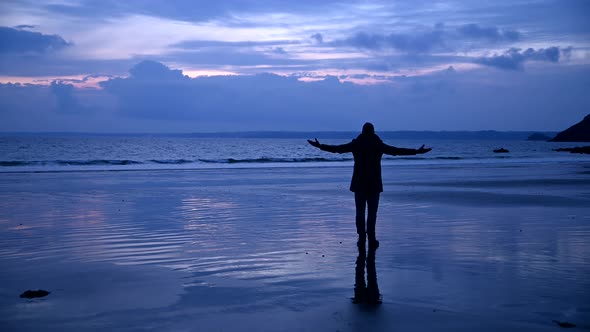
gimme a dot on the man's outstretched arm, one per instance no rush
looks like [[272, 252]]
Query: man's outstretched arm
[[344, 148], [392, 150]]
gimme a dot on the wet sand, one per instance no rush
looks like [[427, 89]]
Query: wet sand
[[492, 247]]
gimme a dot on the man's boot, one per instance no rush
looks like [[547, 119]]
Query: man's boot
[[373, 243]]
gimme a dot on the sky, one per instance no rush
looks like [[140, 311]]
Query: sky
[[247, 65]]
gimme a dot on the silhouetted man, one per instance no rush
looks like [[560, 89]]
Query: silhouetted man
[[366, 182]]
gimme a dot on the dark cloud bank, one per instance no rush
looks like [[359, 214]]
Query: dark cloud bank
[[440, 38], [19, 41], [155, 98], [154, 91], [436, 38], [514, 58]]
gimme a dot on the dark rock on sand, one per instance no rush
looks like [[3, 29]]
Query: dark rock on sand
[[501, 150], [577, 149], [30, 294], [538, 137], [580, 132]]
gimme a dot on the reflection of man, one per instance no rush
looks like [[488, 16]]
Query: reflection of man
[[366, 183], [369, 292]]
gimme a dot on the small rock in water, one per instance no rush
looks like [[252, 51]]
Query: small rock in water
[[564, 324], [30, 294]]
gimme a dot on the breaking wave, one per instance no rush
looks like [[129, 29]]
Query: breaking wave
[[273, 160], [117, 162]]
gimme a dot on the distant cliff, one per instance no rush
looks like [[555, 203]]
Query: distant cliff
[[580, 132]]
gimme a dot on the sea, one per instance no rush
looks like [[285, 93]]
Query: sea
[[54, 153]]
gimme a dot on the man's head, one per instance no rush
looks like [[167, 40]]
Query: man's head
[[368, 129]]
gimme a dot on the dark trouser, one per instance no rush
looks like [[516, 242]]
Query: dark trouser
[[362, 200]]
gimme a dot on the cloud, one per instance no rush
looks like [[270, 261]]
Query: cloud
[[254, 101], [493, 34], [155, 98], [378, 66], [209, 54], [25, 26], [438, 38], [317, 37], [250, 36], [55, 66], [550, 54], [15, 41], [442, 100], [514, 58], [84, 79], [417, 43], [155, 71], [566, 52], [184, 10], [66, 102], [354, 38], [242, 60], [153, 90], [363, 40], [279, 50], [200, 44]]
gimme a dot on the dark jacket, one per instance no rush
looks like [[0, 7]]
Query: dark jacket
[[367, 151]]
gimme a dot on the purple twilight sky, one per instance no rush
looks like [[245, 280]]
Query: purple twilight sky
[[233, 65]]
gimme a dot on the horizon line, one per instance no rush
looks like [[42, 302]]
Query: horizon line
[[273, 132]]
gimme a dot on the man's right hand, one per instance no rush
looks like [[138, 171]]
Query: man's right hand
[[315, 143], [423, 150]]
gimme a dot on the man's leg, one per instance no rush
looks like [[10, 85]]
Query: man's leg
[[372, 204], [360, 200]]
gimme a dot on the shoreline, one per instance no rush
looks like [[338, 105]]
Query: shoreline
[[392, 162]]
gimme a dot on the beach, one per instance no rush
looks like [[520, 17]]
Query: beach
[[487, 246]]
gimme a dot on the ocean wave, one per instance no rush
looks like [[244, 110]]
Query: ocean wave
[[226, 161], [123, 162], [273, 160], [97, 162], [17, 163], [449, 158], [422, 158], [171, 161], [405, 158]]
